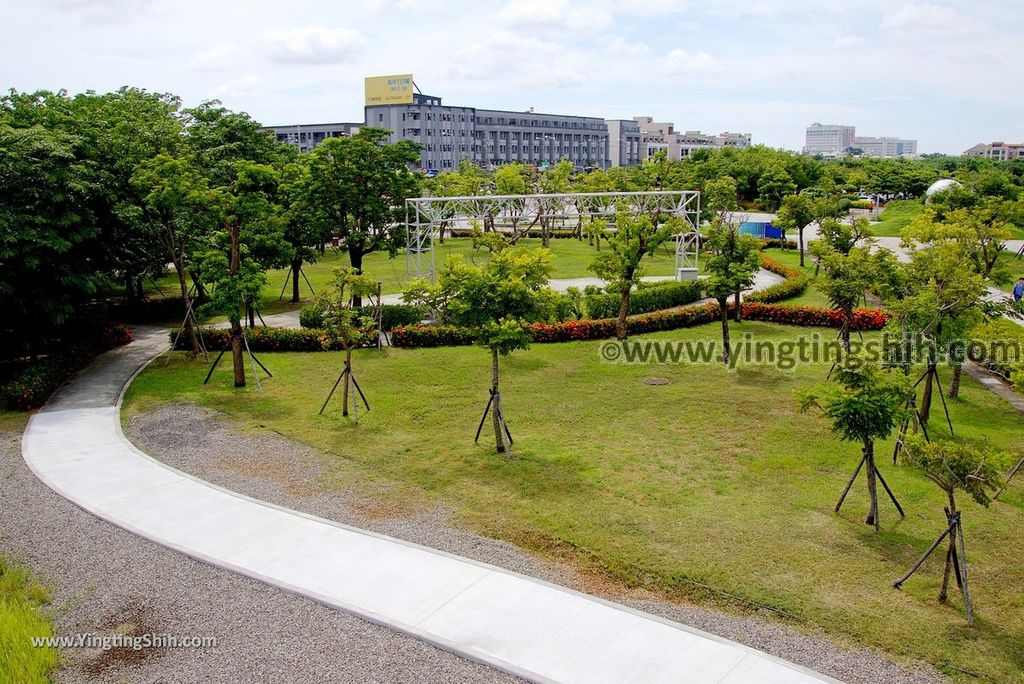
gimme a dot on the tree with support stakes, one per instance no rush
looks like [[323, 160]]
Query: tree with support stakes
[[732, 260], [621, 266], [248, 218], [345, 325], [497, 300], [299, 231], [952, 466], [847, 276], [864, 405]]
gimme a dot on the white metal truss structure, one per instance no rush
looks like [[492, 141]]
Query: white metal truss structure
[[425, 217]]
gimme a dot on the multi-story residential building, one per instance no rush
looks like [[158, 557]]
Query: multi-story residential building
[[489, 137], [885, 147], [624, 141], [308, 136], [829, 140], [998, 150], [657, 136]]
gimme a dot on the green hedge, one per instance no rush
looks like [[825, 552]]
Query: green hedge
[[647, 298], [274, 339], [1004, 331], [794, 284], [393, 315]]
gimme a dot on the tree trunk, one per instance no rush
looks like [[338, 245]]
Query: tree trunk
[[348, 381], [499, 436], [954, 384], [737, 315], [250, 312], [951, 551], [723, 305], [189, 330], [620, 324], [926, 395], [200, 288], [236, 326], [869, 464], [296, 274], [800, 237], [846, 330], [355, 258], [544, 240]]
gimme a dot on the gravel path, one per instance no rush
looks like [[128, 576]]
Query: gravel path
[[273, 468], [106, 580]]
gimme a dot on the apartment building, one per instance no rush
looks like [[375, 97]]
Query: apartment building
[[624, 142], [658, 136], [999, 151], [885, 147], [308, 136], [829, 140]]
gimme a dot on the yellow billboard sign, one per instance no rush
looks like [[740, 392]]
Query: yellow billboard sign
[[388, 90]]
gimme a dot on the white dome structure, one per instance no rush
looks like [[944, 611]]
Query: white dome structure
[[941, 185]]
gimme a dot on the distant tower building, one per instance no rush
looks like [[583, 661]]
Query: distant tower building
[[829, 140]]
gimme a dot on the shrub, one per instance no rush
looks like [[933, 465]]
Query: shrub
[[647, 298], [392, 315], [794, 284], [430, 336], [275, 339], [30, 387]]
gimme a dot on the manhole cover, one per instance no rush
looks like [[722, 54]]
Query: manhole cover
[[656, 381]]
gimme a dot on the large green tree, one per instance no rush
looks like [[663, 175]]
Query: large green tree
[[356, 190], [731, 260]]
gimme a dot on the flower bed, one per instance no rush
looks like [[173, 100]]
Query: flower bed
[[33, 385], [686, 317], [794, 284]]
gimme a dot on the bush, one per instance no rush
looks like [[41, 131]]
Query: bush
[[647, 298], [392, 315], [1010, 365], [684, 317], [30, 387], [794, 284], [274, 339]]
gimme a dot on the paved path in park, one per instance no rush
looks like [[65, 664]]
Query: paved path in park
[[515, 623]]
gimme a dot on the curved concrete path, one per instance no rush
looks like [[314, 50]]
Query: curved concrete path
[[515, 623]]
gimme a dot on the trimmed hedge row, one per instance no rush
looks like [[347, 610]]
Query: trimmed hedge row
[[393, 315], [648, 298], [274, 339], [33, 385], [685, 317], [1009, 334], [795, 283]]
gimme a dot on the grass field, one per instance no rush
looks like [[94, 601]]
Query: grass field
[[812, 296], [571, 259], [896, 216], [20, 620], [712, 488]]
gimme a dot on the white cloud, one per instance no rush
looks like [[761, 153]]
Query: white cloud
[[216, 58], [236, 87], [928, 19], [621, 47], [554, 15], [848, 41], [313, 45], [526, 61], [102, 11], [680, 62]]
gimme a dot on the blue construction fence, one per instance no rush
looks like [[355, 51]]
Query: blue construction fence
[[761, 229]]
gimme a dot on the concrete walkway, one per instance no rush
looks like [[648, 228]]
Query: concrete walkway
[[515, 623]]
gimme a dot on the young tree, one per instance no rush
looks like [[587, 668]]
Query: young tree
[[620, 267], [356, 190], [955, 466], [300, 234], [864, 405], [345, 324], [846, 277], [496, 301], [796, 213], [250, 223], [732, 260]]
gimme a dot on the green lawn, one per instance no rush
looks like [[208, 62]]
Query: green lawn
[[571, 259], [712, 488], [895, 217], [812, 296], [21, 619]]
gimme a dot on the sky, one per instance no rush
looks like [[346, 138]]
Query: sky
[[946, 73]]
